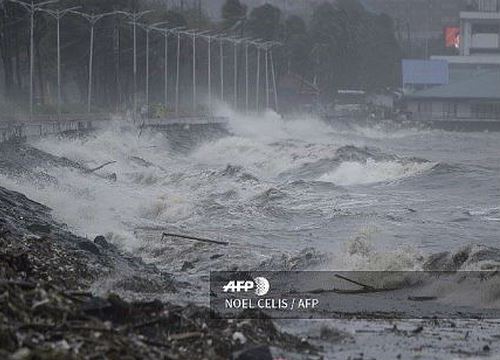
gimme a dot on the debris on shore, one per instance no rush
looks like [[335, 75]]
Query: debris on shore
[[48, 312]]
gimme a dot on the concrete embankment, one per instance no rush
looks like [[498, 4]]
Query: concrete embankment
[[53, 125]]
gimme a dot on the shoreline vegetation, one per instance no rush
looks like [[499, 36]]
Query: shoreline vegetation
[[48, 311]]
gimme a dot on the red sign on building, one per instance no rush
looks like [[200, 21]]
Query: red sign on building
[[452, 37]]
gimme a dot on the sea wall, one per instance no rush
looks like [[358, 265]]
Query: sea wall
[[49, 125]]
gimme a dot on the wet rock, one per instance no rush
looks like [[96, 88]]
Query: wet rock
[[332, 335], [40, 228], [484, 257], [187, 265], [418, 330], [437, 261], [89, 246], [102, 242], [231, 170]]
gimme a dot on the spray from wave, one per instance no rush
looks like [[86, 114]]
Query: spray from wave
[[371, 171], [231, 184]]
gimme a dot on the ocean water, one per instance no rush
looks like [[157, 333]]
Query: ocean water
[[283, 184], [360, 197]]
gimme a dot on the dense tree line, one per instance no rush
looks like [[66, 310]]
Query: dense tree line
[[341, 46]]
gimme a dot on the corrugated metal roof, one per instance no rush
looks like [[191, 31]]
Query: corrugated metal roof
[[482, 86]]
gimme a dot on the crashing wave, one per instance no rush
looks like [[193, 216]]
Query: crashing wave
[[372, 171]]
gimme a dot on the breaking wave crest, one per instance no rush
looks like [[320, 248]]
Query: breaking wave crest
[[372, 171], [266, 181]]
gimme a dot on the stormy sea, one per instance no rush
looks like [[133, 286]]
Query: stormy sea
[[285, 194]]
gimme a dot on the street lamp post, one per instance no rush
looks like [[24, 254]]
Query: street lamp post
[[134, 17], [209, 70], [257, 84], [209, 74], [147, 29], [178, 73], [267, 76], [246, 77], [274, 83], [58, 15], [221, 56], [235, 66], [194, 73], [92, 19], [32, 8], [165, 32]]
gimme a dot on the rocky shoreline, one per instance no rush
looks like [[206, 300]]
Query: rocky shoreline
[[48, 310]]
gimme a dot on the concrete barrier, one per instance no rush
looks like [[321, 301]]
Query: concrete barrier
[[50, 125]]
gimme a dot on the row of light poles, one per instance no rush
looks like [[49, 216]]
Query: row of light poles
[[134, 18]]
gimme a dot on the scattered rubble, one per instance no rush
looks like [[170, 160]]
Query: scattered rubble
[[48, 312]]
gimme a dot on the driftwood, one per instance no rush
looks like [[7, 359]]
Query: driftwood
[[164, 235], [366, 289], [354, 282], [100, 167]]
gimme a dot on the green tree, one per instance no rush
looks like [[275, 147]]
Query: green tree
[[233, 13], [264, 23], [298, 46], [381, 54], [353, 48]]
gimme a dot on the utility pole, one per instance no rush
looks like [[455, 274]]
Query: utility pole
[[32, 8], [58, 15], [92, 19]]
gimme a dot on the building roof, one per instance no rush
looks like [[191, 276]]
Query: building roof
[[482, 86]]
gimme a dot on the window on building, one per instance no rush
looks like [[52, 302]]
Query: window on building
[[486, 111], [425, 107], [485, 29], [450, 110]]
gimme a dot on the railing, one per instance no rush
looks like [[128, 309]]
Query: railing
[[42, 125], [47, 126]]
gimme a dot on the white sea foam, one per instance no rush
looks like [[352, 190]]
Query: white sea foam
[[371, 171]]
